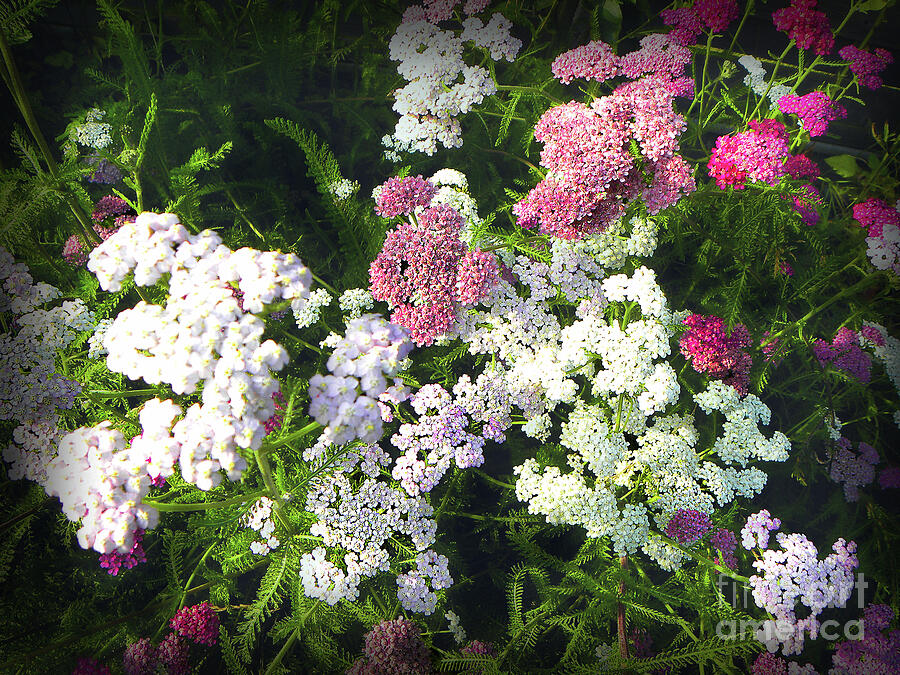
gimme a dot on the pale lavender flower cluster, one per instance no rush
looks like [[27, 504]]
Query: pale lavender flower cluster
[[852, 469], [757, 528], [793, 574], [440, 436], [202, 335], [416, 587], [486, 400], [359, 521], [346, 401]]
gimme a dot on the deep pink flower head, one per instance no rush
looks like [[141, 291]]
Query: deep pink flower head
[[199, 623], [717, 14], [114, 561], [805, 25], [801, 166], [173, 654], [687, 525], [88, 666], [110, 206], [725, 543], [814, 109], [400, 196], [712, 351], [845, 354], [866, 66], [424, 272], [686, 24], [757, 154], [874, 214]]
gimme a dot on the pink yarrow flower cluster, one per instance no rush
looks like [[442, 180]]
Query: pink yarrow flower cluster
[[592, 174], [718, 354], [876, 651], [689, 22], [867, 66], [394, 648], [874, 214], [808, 27], [687, 525], [425, 272], [198, 623], [757, 154], [814, 109], [845, 354], [401, 196], [115, 560]]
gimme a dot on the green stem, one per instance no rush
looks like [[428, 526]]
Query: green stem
[[771, 79], [491, 479], [17, 89], [290, 438], [205, 506], [184, 593], [285, 648]]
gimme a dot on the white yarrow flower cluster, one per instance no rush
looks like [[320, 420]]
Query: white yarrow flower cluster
[[884, 250], [261, 520], [343, 189], [307, 313], [354, 301], [441, 85], [201, 336], [756, 80], [102, 483], [92, 132]]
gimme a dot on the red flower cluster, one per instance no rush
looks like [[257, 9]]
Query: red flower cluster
[[688, 22], [874, 214], [712, 351], [808, 27], [866, 66], [199, 623], [815, 110]]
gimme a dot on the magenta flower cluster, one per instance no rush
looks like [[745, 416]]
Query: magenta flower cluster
[[592, 174], [199, 623], [711, 350], [110, 206], [688, 525], [805, 25], [873, 214], [425, 272], [688, 22], [845, 354], [115, 560], [867, 66], [757, 154], [393, 648], [88, 666], [853, 469], [814, 109], [401, 196]]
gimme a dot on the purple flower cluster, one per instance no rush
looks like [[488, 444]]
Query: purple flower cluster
[[757, 154], [876, 653], [689, 22], [725, 543], [140, 658], [115, 560], [851, 469], [769, 664], [394, 648], [712, 351], [110, 206], [199, 623], [814, 109], [401, 196], [687, 525], [794, 574], [104, 173], [88, 666], [845, 354], [808, 27], [440, 436], [866, 66], [756, 531], [173, 654]]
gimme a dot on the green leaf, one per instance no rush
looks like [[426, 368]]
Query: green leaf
[[844, 165], [872, 5]]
